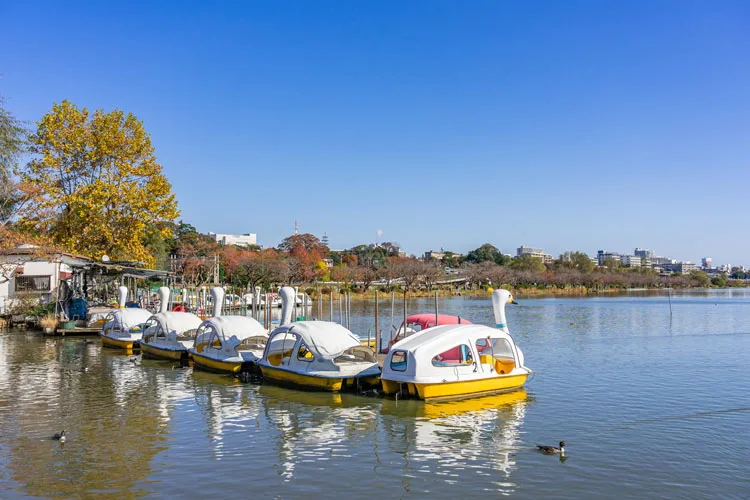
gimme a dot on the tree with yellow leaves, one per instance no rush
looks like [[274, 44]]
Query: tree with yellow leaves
[[98, 187]]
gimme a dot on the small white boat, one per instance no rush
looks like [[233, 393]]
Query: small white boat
[[124, 327], [457, 360], [169, 333], [316, 354], [225, 343]]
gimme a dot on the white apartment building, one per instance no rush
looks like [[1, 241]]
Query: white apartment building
[[631, 260], [243, 240], [523, 251]]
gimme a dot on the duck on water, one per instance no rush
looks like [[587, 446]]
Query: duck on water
[[552, 450]]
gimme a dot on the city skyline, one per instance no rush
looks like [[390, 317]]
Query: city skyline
[[577, 126]]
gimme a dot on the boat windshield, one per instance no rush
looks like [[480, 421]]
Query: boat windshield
[[255, 343], [356, 354], [495, 347], [188, 334]]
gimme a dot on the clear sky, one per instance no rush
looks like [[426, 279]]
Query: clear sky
[[566, 125]]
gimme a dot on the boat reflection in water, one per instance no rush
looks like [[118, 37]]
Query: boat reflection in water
[[317, 426], [453, 439]]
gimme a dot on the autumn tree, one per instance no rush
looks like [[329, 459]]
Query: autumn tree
[[252, 269], [99, 188]]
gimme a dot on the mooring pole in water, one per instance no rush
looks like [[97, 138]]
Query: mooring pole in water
[[393, 312], [405, 292], [377, 334], [437, 321], [348, 310], [368, 337], [341, 309]]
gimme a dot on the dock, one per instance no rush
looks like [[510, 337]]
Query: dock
[[78, 330]]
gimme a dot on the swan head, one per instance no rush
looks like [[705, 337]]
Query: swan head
[[500, 297]]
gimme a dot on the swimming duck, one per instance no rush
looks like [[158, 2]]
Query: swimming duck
[[59, 437], [552, 450]]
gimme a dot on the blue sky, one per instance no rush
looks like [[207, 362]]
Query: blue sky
[[564, 125]]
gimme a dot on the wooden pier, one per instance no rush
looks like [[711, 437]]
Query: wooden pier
[[78, 330]]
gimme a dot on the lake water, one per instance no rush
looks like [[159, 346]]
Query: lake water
[[651, 406]]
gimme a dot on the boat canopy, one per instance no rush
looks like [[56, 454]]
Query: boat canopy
[[426, 355], [428, 320], [324, 339], [126, 319], [177, 322], [447, 336], [240, 327]]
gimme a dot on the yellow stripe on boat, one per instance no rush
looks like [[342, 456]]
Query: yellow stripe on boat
[[471, 387], [156, 352], [456, 389], [333, 384], [119, 344], [216, 365]]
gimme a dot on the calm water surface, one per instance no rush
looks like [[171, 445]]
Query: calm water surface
[[651, 407]]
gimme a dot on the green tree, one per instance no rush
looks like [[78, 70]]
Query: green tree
[[612, 263], [12, 145], [96, 185], [528, 263], [700, 278], [487, 253], [719, 281], [575, 260]]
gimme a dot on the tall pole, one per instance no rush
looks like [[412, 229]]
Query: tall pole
[[377, 331], [341, 309], [437, 321], [330, 310], [404, 333], [393, 312]]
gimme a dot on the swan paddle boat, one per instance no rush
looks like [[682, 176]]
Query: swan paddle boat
[[457, 360], [124, 327], [316, 354], [225, 343], [169, 333]]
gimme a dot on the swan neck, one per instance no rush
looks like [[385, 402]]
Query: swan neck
[[218, 295], [164, 299], [122, 296]]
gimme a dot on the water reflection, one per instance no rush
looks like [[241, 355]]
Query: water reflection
[[110, 415], [315, 426], [453, 438]]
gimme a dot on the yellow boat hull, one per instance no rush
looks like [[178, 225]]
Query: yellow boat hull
[[215, 365], [119, 344], [332, 384], [456, 389], [151, 351]]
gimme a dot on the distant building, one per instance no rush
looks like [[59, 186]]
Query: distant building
[[661, 261], [433, 255], [602, 256], [242, 240], [538, 253], [643, 252], [706, 262], [680, 267], [631, 260]]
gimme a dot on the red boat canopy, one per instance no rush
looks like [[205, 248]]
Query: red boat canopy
[[428, 320]]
